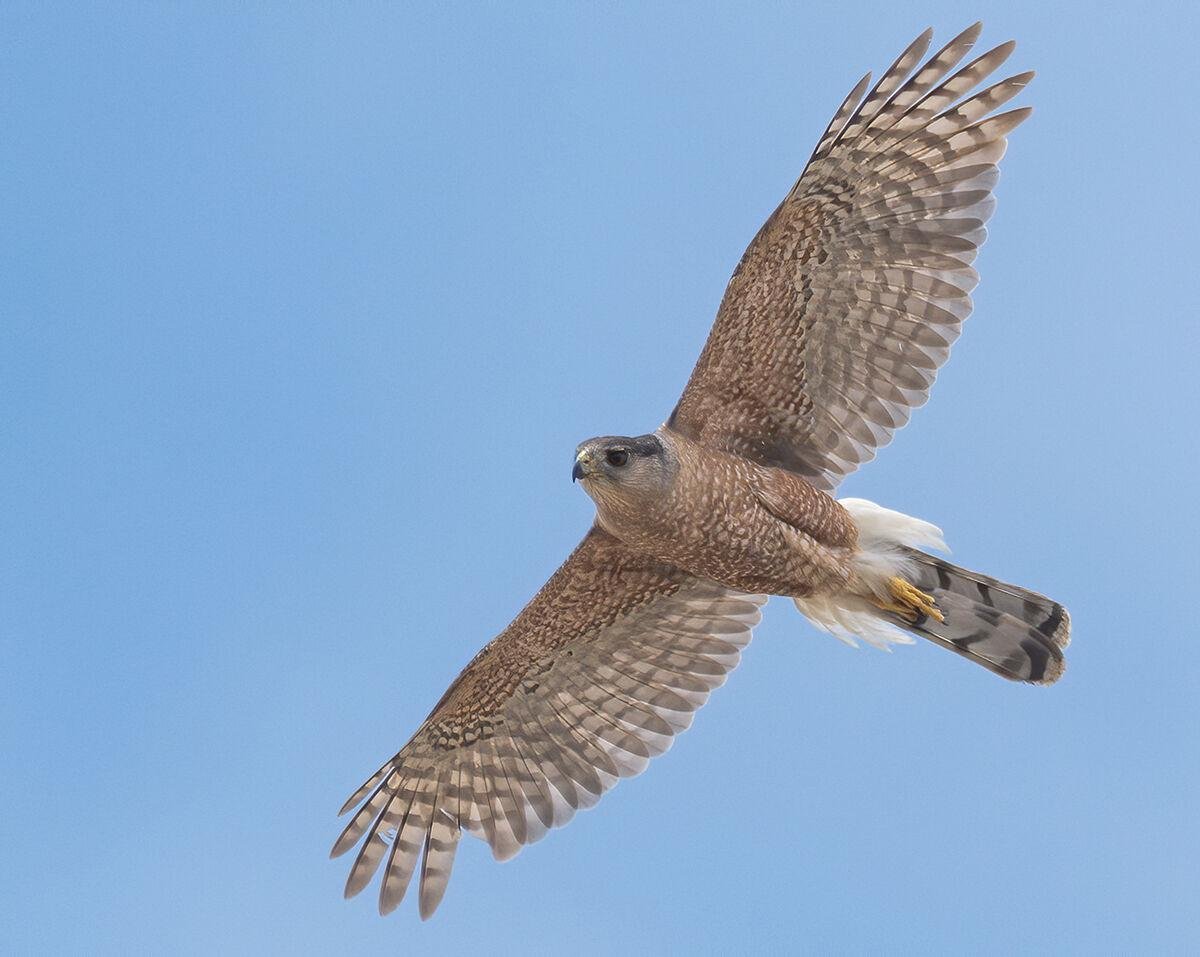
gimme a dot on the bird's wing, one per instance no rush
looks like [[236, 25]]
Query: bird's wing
[[846, 303], [591, 680]]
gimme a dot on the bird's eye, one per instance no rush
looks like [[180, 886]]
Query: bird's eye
[[617, 458]]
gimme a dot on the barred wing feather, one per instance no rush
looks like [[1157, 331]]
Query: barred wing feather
[[593, 679], [846, 303]]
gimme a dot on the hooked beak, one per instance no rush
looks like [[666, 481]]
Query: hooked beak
[[582, 460]]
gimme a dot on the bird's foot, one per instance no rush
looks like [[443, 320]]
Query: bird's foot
[[910, 602]]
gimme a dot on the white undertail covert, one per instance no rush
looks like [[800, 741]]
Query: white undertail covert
[[850, 614]]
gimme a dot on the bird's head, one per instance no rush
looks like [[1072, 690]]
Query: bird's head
[[620, 468]]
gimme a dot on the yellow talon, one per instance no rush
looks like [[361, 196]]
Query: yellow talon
[[910, 602]]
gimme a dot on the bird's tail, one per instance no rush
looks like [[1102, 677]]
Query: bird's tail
[[1017, 633], [1010, 630]]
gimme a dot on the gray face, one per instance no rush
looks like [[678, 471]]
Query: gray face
[[616, 464]]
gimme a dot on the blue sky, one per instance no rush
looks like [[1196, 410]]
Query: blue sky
[[303, 315]]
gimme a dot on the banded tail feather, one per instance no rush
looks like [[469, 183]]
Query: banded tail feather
[[1010, 630]]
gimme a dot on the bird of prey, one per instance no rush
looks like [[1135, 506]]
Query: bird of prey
[[830, 333]]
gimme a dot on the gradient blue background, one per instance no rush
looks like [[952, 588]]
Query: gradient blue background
[[303, 314]]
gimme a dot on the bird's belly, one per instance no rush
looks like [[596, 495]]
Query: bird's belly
[[758, 557]]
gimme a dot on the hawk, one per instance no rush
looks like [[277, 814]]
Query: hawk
[[830, 333]]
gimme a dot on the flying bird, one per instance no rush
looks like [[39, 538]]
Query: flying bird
[[830, 333]]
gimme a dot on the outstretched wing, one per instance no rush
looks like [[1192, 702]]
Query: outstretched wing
[[591, 680], [846, 303]]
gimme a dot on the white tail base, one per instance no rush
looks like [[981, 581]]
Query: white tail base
[[850, 614]]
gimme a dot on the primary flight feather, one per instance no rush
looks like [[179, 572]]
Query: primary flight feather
[[830, 333]]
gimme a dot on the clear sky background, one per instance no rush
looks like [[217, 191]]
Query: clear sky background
[[303, 313]]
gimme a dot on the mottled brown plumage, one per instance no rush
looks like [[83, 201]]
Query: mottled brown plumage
[[750, 527], [848, 299], [592, 679], [830, 333]]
